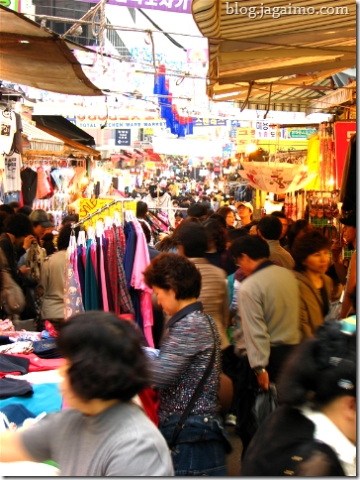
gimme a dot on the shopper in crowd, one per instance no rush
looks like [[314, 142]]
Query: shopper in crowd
[[312, 256], [300, 226], [285, 226], [349, 223], [229, 215], [252, 227], [50, 289], [25, 209], [3, 217], [103, 432], [7, 209], [217, 251], [15, 206], [16, 239], [313, 432], [269, 229], [245, 212], [185, 354], [70, 219], [191, 241], [268, 308], [199, 211]]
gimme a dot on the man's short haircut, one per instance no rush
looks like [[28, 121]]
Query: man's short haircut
[[141, 209], [7, 209], [192, 236], [18, 225], [279, 214], [237, 233], [270, 227], [306, 244], [64, 236], [251, 245], [197, 210], [105, 356], [172, 271]]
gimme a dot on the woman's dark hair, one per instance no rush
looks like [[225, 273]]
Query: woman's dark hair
[[105, 355], [219, 218], [224, 211], [193, 238], [3, 217], [216, 234], [306, 244], [294, 230], [64, 236], [251, 245], [146, 231], [141, 209], [320, 369], [18, 225], [172, 271]]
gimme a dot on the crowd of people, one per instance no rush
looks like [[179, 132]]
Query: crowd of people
[[237, 300]]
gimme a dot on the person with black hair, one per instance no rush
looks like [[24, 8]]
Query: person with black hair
[[7, 209], [198, 210], [16, 239], [268, 308], [218, 239], [103, 432], [25, 209], [294, 230], [192, 242], [192, 341], [285, 226], [349, 223], [269, 229], [313, 432], [311, 252]]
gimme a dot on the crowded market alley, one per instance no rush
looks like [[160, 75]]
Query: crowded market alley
[[178, 238]]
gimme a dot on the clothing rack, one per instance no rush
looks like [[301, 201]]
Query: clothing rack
[[100, 210]]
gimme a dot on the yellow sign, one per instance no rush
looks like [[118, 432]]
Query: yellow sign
[[244, 136], [90, 206], [148, 131], [150, 165]]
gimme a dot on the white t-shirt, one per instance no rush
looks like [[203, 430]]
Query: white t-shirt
[[13, 166], [7, 130]]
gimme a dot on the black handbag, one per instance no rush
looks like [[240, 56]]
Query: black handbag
[[180, 424]]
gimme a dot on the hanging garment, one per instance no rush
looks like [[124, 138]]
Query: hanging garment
[[99, 276], [313, 161], [125, 303], [13, 164], [73, 304], [91, 286], [107, 278], [112, 267], [130, 251], [43, 187], [7, 130], [103, 278], [81, 272], [29, 185], [17, 142]]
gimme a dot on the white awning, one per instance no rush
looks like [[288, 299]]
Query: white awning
[[40, 140]]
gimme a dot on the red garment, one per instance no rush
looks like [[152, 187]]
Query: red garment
[[3, 374], [112, 267], [38, 364], [150, 400]]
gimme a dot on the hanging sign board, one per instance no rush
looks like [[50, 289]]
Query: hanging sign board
[[343, 132], [123, 137], [90, 206]]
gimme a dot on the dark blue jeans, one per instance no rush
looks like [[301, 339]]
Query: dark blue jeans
[[201, 446]]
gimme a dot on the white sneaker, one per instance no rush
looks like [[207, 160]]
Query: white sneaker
[[230, 420]]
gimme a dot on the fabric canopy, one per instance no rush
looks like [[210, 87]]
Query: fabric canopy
[[255, 58], [59, 124], [37, 57]]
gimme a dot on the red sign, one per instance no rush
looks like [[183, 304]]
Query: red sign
[[343, 132]]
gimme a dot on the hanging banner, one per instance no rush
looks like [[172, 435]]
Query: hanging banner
[[90, 206], [343, 132], [209, 122], [114, 122], [244, 136], [276, 177], [178, 6]]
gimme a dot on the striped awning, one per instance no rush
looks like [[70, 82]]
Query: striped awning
[[253, 56], [40, 140]]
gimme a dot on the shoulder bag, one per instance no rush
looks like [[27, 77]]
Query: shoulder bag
[[12, 297]]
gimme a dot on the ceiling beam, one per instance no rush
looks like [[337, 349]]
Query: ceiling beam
[[286, 70]]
